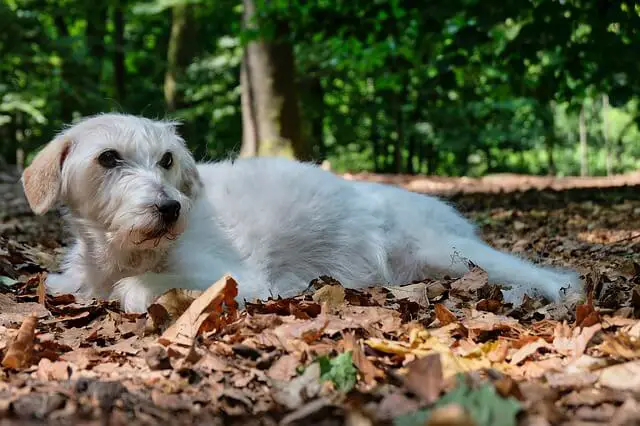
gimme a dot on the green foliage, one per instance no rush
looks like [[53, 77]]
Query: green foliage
[[448, 87], [339, 370], [483, 404]]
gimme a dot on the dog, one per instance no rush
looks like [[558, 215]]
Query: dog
[[146, 218]]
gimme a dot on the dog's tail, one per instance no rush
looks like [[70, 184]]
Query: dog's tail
[[517, 276]]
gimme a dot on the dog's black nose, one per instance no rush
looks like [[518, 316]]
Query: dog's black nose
[[170, 210]]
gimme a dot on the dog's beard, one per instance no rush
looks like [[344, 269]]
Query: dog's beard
[[155, 235], [150, 235]]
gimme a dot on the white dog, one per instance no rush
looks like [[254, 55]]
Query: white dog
[[148, 219]]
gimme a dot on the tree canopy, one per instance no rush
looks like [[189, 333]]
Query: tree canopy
[[445, 87]]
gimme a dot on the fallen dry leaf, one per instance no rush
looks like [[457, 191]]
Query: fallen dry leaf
[[622, 376], [331, 296], [58, 370], [294, 393], [417, 293], [528, 350], [444, 315], [205, 313], [368, 370], [424, 378], [12, 312], [167, 308], [470, 282], [572, 343], [284, 368], [93, 363], [20, 351], [450, 415]]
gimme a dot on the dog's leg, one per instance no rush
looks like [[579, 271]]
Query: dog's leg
[[504, 269], [136, 293]]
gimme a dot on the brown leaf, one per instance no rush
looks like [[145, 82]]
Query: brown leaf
[[331, 296], [13, 312], [574, 342], [413, 292], [586, 315], [489, 305], [176, 301], [301, 309], [20, 350], [527, 350], [486, 321], [130, 346], [498, 351], [205, 313], [450, 415], [620, 345], [396, 404], [369, 371], [444, 315], [294, 393], [157, 358], [41, 290], [58, 370], [424, 378], [284, 368], [622, 376], [470, 282]]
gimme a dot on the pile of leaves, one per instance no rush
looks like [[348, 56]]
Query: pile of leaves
[[436, 352]]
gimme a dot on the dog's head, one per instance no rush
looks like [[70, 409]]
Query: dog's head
[[129, 176]]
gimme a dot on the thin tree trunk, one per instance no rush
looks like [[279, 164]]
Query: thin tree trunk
[[375, 140], [250, 135], [548, 114], [271, 77], [97, 16], [119, 53], [20, 126], [582, 128], [605, 134], [180, 52], [66, 96]]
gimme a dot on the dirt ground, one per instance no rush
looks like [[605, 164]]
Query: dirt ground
[[446, 352]]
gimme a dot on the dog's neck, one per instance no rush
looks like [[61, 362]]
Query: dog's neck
[[100, 252]]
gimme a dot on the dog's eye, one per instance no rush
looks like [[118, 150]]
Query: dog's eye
[[166, 161], [109, 159]]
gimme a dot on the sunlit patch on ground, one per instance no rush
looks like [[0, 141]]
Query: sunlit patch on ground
[[609, 236]]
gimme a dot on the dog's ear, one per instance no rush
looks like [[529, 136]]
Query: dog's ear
[[42, 180]]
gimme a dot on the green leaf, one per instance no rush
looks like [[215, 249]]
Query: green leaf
[[7, 281], [485, 406], [339, 370]]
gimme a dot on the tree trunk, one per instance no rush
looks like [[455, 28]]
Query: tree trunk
[[66, 96], [313, 113], [97, 16], [250, 135], [605, 134], [180, 52], [119, 53], [270, 74], [582, 128], [397, 148], [548, 115], [375, 139]]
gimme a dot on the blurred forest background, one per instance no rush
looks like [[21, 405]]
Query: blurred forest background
[[449, 87]]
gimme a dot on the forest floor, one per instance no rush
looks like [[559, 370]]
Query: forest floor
[[446, 352]]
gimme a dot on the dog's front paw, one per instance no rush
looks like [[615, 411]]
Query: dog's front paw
[[132, 294]]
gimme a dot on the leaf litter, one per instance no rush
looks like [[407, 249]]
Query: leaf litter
[[437, 352]]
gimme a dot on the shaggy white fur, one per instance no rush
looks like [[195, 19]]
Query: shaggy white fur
[[273, 224]]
